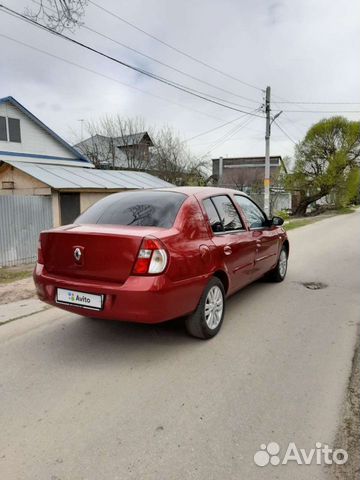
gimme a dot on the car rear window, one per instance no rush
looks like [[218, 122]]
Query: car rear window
[[144, 208]]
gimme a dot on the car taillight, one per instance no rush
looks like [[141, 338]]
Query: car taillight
[[152, 257], [40, 258]]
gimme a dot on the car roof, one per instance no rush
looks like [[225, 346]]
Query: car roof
[[202, 191]]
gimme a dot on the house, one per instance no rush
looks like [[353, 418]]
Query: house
[[127, 151], [45, 182], [247, 174], [244, 173]]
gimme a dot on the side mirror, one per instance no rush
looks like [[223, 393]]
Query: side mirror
[[217, 227], [277, 221]]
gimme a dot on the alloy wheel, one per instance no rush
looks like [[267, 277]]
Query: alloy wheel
[[214, 306], [282, 263]]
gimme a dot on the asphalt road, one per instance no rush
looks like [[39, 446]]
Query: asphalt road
[[86, 399]]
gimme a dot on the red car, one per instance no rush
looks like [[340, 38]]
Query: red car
[[154, 255]]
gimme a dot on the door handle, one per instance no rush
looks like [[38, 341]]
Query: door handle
[[227, 250]]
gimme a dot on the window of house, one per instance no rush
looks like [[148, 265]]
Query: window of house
[[14, 130], [10, 129], [3, 131]]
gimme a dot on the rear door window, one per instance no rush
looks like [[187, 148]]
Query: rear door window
[[221, 209], [228, 213], [146, 209]]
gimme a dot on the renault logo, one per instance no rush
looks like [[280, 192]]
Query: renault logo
[[77, 254]]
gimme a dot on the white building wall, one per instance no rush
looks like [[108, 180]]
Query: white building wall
[[34, 139]]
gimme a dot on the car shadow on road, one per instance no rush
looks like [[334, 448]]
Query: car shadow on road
[[96, 341]]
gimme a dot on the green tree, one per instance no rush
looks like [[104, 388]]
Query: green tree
[[327, 162]]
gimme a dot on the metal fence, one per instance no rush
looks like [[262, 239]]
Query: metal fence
[[21, 220], [278, 201]]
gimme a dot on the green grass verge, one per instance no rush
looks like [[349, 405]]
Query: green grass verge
[[345, 210], [299, 223], [8, 275]]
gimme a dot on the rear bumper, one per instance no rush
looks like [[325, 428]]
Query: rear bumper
[[152, 299]]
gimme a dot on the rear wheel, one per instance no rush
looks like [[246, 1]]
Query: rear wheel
[[279, 272], [207, 319]]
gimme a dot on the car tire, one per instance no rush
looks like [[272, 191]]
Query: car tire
[[207, 319], [278, 274]]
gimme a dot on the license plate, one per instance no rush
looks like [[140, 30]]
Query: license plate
[[80, 299]]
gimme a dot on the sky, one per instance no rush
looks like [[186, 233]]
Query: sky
[[305, 50]]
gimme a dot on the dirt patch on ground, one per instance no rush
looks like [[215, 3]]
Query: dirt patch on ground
[[348, 435], [19, 290]]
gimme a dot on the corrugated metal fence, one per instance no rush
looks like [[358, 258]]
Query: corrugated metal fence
[[21, 220]]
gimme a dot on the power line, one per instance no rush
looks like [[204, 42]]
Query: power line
[[209, 66], [120, 62], [322, 111], [213, 129], [173, 68], [284, 132], [254, 138], [27, 45], [283, 100], [318, 103], [138, 52], [228, 135], [290, 120], [172, 47]]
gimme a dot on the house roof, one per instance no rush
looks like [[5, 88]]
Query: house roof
[[124, 141], [68, 177], [133, 139], [9, 157], [26, 112]]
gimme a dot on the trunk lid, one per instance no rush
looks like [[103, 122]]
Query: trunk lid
[[106, 252]]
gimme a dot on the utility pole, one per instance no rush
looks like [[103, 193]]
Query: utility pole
[[269, 121], [267, 154], [221, 170]]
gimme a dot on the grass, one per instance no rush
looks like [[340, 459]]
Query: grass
[[344, 210], [301, 222], [11, 274]]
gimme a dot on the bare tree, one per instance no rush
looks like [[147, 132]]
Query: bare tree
[[58, 15], [117, 142], [174, 162], [134, 142], [122, 142]]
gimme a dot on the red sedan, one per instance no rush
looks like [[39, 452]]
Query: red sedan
[[154, 255]]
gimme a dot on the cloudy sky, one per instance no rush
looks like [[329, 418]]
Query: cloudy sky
[[306, 50]]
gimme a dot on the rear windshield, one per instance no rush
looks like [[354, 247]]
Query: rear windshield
[[144, 208]]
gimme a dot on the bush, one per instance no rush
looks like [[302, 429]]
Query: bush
[[283, 214]]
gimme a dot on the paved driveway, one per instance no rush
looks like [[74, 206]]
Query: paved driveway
[[86, 399]]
